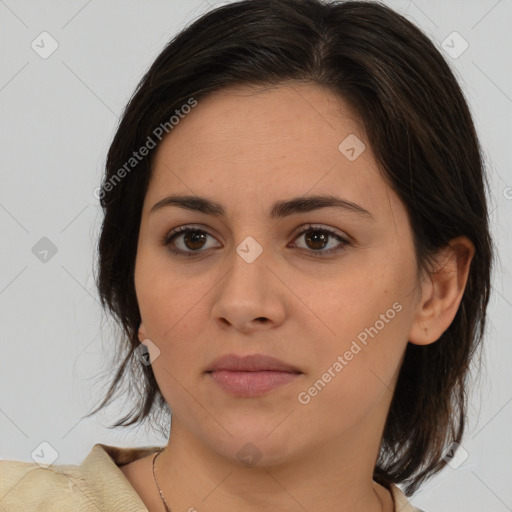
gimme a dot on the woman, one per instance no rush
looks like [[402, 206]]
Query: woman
[[296, 245]]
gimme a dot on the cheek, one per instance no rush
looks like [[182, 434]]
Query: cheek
[[174, 305], [366, 351], [367, 318], [168, 310], [355, 375], [164, 295]]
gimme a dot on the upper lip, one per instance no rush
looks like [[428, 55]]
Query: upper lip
[[250, 363]]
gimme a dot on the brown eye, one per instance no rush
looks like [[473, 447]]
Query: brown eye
[[194, 240], [190, 241], [187, 241], [317, 239]]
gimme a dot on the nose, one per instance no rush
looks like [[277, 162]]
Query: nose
[[250, 296]]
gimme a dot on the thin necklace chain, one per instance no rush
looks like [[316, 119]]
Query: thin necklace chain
[[167, 509]]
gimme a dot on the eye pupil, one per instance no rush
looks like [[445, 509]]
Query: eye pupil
[[319, 237], [194, 237]]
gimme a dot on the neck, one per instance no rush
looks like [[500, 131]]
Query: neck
[[326, 478]]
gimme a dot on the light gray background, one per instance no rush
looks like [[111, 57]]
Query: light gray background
[[57, 118]]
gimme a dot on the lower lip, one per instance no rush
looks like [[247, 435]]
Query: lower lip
[[250, 384]]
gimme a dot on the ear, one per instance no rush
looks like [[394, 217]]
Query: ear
[[441, 291], [142, 333]]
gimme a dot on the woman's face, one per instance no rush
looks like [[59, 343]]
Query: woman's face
[[259, 280]]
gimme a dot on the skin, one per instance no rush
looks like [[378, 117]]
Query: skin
[[246, 148]]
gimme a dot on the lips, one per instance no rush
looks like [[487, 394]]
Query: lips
[[250, 363], [251, 376]]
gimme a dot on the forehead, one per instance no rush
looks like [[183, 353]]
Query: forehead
[[254, 142], [272, 119]]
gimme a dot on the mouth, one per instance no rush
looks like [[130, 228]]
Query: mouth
[[251, 376], [251, 384]]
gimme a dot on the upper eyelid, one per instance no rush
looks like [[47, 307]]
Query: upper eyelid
[[297, 231], [334, 232]]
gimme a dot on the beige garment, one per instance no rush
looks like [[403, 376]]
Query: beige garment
[[96, 485]]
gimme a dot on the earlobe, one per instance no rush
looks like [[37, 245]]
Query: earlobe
[[442, 291]]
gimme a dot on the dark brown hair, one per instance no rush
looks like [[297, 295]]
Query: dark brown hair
[[422, 134]]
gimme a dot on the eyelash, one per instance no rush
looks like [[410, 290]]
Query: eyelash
[[168, 238]]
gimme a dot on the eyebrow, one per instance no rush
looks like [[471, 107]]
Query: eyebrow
[[280, 209]]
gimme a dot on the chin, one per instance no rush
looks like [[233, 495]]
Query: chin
[[255, 444]]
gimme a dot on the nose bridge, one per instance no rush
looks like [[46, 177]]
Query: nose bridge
[[249, 264], [248, 290], [251, 239]]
